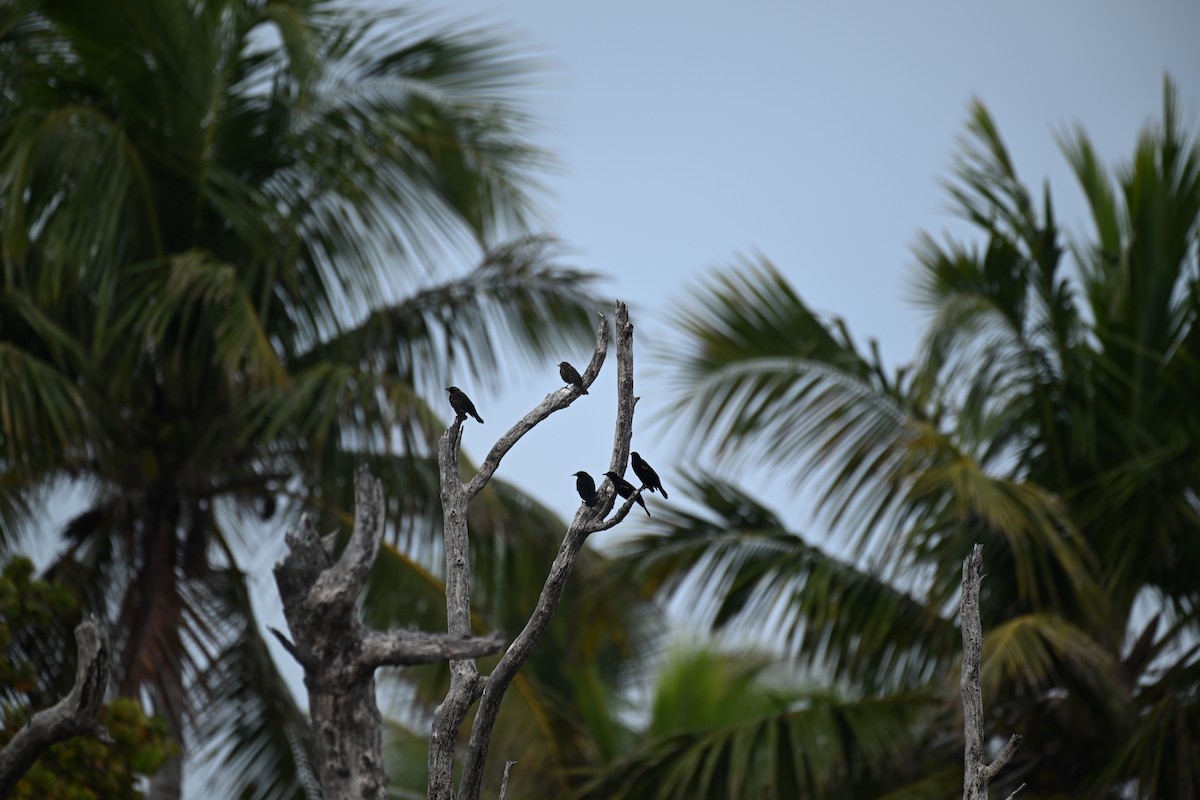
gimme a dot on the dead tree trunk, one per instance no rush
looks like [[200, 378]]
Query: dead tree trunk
[[340, 656], [977, 771], [466, 684]]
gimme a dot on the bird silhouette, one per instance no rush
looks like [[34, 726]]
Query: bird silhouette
[[646, 475], [571, 376], [586, 488], [626, 490], [462, 404]]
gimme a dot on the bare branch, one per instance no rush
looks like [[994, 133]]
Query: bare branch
[[585, 520], [340, 655], [504, 783], [555, 401], [341, 584], [1016, 792], [406, 648], [72, 716], [1005, 756], [623, 432], [977, 772], [466, 685], [623, 429], [286, 643], [603, 525]]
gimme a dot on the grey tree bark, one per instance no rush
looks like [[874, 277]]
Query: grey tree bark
[[977, 772], [72, 716], [340, 656], [466, 684]]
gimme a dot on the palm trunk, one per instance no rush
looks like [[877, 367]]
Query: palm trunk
[[153, 650]]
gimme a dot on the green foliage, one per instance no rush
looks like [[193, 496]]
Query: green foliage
[[82, 768], [30, 610], [722, 726], [224, 226], [1051, 415], [562, 714]]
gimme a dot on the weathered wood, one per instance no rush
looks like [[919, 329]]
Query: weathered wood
[[504, 783], [977, 772], [466, 684], [339, 655], [72, 716]]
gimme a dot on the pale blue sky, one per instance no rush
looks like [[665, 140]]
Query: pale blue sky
[[816, 134]]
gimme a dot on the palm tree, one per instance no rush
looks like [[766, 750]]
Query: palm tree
[[729, 725], [221, 223], [1050, 415]]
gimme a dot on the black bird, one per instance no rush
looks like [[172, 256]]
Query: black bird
[[586, 488], [646, 475], [625, 489], [568, 374], [462, 404]]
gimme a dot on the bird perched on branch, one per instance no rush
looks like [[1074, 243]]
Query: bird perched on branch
[[571, 376], [626, 490], [586, 488], [462, 404], [646, 475]]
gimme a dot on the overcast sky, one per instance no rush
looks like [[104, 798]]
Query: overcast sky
[[815, 134]]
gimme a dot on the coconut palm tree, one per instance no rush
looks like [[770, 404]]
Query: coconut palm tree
[[223, 225], [731, 725], [1051, 415]]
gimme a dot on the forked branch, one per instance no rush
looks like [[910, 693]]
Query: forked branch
[[340, 655], [466, 684]]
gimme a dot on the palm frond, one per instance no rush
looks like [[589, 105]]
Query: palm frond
[[1161, 747], [815, 744], [1031, 653], [41, 410], [406, 759], [738, 566], [518, 299], [205, 309], [251, 724], [1045, 561], [51, 167]]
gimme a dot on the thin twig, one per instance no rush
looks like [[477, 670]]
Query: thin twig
[[504, 783], [1015, 792]]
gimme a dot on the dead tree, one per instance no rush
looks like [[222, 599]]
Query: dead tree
[[72, 716], [340, 656], [978, 773], [467, 685]]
